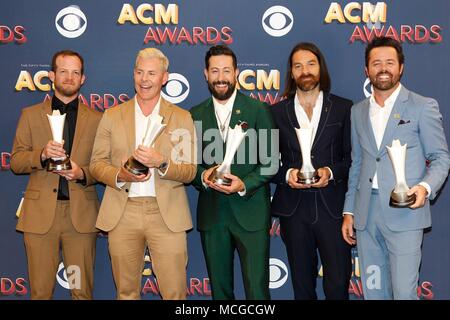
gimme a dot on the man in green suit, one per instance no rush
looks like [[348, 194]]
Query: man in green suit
[[236, 216]]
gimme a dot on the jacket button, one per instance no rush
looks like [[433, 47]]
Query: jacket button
[[312, 157], [370, 179], [378, 159], [54, 190], [126, 190]]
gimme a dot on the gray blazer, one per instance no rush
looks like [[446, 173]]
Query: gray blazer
[[414, 120]]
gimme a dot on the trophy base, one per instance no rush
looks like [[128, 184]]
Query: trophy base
[[59, 165], [307, 177], [401, 200], [219, 178], [135, 167]]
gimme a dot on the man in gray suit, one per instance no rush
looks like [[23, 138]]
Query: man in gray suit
[[389, 239]]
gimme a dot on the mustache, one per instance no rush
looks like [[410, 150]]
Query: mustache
[[221, 82], [384, 73], [306, 76]]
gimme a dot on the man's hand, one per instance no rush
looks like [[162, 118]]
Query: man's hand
[[421, 195], [126, 176], [73, 174], [206, 175], [347, 230], [292, 181], [236, 185], [53, 149], [324, 175], [148, 156]]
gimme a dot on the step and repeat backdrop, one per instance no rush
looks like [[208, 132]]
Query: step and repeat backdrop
[[109, 33]]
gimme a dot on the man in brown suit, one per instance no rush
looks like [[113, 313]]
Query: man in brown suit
[[59, 208], [150, 210]]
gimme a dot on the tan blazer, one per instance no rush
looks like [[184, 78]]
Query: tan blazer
[[38, 209], [115, 143]]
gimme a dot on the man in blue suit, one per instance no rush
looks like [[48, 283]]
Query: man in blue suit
[[389, 239]]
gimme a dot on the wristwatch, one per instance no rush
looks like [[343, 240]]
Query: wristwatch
[[163, 166]]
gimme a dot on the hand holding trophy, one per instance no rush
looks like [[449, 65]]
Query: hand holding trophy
[[57, 121], [234, 139], [307, 174], [154, 128], [399, 197]]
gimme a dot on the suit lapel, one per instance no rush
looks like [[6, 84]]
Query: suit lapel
[[238, 111], [82, 113], [165, 111], [46, 110], [394, 117], [368, 125], [128, 119], [326, 110]]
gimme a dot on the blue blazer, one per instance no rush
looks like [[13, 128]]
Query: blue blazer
[[331, 147], [414, 120]]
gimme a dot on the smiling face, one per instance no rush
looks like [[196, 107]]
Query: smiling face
[[305, 70], [149, 77], [221, 76], [67, 77], [384, 69]]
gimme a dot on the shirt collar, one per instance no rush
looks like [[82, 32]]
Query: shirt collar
[[139, 111], [389, 102], [228, 105], [57, 104]]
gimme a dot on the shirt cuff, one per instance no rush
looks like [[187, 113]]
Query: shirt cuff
[[119, 184], [426, 186], [243, 192], [288, 173], [349, 213], [162, 174], [331, 173], [201, 177]]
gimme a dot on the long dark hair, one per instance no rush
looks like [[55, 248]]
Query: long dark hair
[[290, 86]]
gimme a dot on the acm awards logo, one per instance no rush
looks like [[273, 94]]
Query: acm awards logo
[[261, 82], [375, 17], [16, 287], [71, 22], [277, 21], [30, 80], [164, 15], [14, 34]]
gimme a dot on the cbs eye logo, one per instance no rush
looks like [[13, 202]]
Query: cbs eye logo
[[176, 89], [367, 87], [277, 21], [278, 273], [71, 22]]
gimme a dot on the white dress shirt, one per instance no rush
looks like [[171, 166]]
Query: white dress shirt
[[303, 120], [145, 188]]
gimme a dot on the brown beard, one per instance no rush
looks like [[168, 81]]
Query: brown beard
[[307, 82], [221, 96]]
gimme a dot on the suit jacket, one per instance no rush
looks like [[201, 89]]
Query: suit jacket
[[115, 143], [331, 148], [416, 121], [38, 208], [252, 210]]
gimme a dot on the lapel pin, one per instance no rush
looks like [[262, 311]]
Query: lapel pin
[[238, 111]]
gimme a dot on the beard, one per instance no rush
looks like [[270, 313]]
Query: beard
[[307, 82], [385, 84], [221, 96], [66, 90]]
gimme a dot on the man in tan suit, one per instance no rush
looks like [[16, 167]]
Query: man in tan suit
[[146, 210], [59, 208]]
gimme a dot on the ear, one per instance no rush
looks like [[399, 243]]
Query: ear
[[83, 79], [237, 74], [205, 73], [51, 76], [165, 78], [366, 71], [401, 69]]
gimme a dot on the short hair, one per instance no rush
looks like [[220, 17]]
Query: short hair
[[385, 42], [64, 53], [220, 50], [155, 54], [290, 86]]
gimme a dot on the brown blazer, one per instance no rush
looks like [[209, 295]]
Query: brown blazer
[[115, 143], [38, 208]]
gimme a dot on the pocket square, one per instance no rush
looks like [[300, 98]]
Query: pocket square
[[403, 122]]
